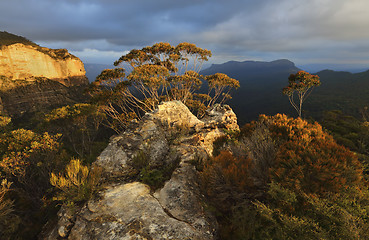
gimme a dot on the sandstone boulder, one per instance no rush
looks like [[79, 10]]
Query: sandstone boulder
[[127, 209]]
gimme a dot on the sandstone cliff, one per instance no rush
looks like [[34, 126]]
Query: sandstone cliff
[[19, 61], [34, 78], [127, 209]]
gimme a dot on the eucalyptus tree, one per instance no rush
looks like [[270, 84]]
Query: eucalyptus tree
[[302, 83], [161, 72]]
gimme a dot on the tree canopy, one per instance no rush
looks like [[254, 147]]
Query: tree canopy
[[302, 83], [161, 72]]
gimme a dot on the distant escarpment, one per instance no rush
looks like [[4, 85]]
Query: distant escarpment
[[33, 78], [248, 71]]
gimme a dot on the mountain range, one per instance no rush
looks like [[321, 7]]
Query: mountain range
[[262, 83]]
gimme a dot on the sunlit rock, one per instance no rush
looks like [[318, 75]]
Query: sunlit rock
[[127, 209]]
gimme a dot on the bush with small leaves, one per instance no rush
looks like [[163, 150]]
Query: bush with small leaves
[[8, 220], [261, 148], [289, 214], [226, 179], [152, 176], [308, 158], [27, 159], [319, 168], [81, 128], [312, 188], [78, 184]]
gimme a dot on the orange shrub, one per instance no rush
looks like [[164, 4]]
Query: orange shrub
[[226, 179], [284, 128], [308, 159], [320, 167]]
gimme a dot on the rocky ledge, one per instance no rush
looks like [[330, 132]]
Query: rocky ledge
[[128, 209], [34, 78]]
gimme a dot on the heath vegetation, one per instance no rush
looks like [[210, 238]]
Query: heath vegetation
[[277, 178]]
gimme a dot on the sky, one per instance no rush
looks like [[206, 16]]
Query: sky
[[311, 33]]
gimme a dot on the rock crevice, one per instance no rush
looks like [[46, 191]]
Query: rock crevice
[[128, 209]]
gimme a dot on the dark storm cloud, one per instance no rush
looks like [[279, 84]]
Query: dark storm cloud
[[120, 22], [232, 29]]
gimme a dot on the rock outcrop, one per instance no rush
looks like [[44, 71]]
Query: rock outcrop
[[26, 62], [34, 78], [38, 95], [128, 209]]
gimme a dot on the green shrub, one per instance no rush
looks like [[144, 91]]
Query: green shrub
[[81, 128], [8, 220], [78, 184], [154, 177]]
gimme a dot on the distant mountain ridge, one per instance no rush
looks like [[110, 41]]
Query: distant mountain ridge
[[262, 83], [340, 90], [248, 69]]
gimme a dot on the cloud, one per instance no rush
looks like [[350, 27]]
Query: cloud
[[96, 56], [314, 30]]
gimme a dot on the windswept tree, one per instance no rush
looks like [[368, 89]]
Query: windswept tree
[[162, 72], [302, 83]]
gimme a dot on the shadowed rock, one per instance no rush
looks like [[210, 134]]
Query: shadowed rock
[[34, 78]]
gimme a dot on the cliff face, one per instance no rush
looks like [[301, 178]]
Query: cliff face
[[127, 209], [19, 61], [30, 97], [34, 78]]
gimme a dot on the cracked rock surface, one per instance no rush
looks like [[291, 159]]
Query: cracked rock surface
[[128, 209]]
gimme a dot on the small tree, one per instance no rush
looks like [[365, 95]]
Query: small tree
[[158, 73], [303, 84]]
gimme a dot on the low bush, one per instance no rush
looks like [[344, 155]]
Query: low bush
[[286, 178], [226, 180], [77, 185], [8, 220], [155, 177]]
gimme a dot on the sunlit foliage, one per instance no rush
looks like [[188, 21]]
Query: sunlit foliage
[[27, 159], [161, 72], [79, 125], [301, 83], [78, 184], [8, 220], [313, 188], [23, 149]]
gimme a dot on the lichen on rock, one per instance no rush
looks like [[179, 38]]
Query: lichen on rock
[[127, 209]]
